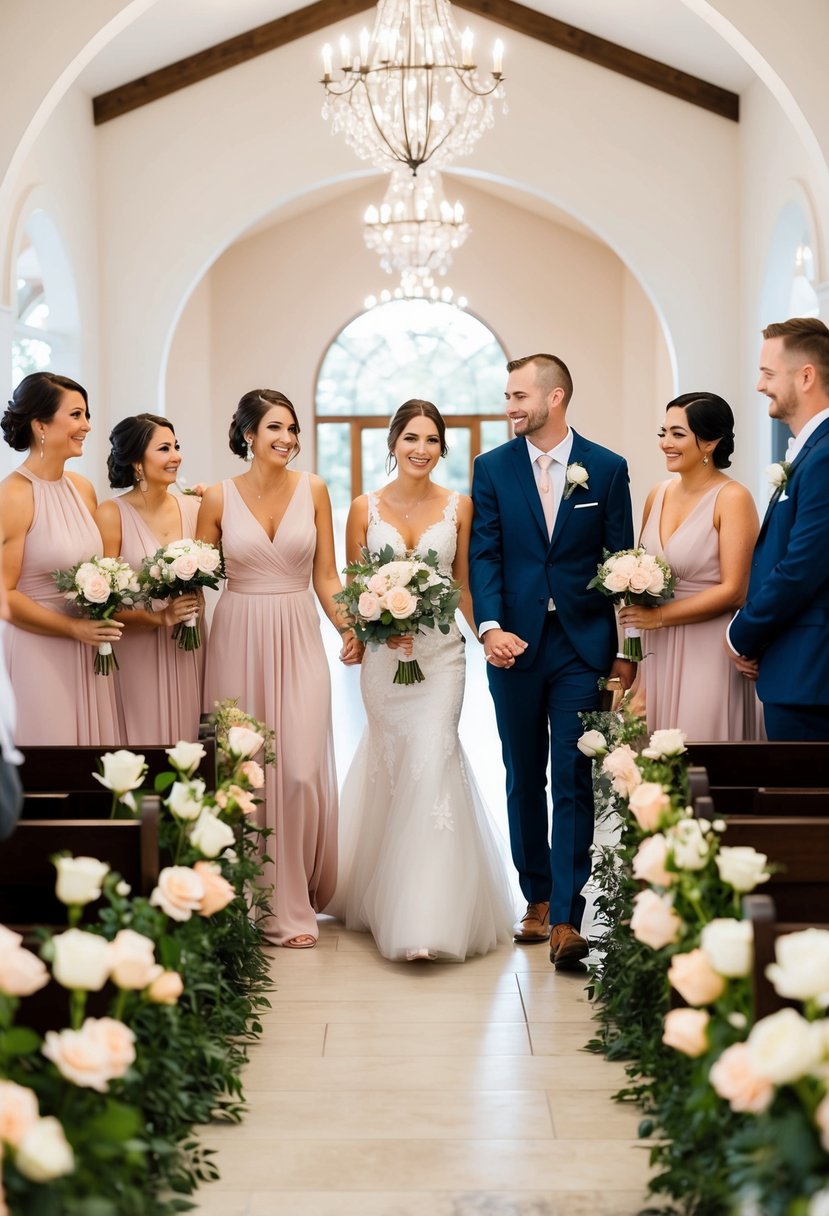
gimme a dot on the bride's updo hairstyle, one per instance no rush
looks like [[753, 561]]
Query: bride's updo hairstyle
[[409, 410], [249, 413], [709, 417], [36, 399], [129, 440]]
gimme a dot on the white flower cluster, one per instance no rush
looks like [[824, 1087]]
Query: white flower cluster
[[634, 571], [182, 560], [93, 582], [390, 589]]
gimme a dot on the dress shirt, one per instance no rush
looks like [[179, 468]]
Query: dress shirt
[[797, 441]]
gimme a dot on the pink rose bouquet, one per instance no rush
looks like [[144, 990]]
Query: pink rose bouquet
[[633, 576], [389, 597], [98, 588], [181, 568]]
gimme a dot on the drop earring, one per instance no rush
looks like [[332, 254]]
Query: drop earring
[[250, 448], [705, 459], [42, 443], [142, 481]]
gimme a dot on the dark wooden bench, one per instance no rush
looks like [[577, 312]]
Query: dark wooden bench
[[762, 911], [68, 770], [737, 771], [27, 875]]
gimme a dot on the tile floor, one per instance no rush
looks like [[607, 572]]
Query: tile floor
[[426, 1089]]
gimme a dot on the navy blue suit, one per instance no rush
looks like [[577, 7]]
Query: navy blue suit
[[514, 571], [785, 620]]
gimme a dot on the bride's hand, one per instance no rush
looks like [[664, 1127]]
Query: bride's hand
[[401, 642], [352, 651]]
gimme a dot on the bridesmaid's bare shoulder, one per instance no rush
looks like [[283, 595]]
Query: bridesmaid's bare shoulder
[[17, 504], [736, 500]]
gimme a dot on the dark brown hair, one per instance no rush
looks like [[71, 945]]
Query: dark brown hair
[[36, 399], [808, 338], [415, 408], [551, 373], [129, 439], [709, 417], [249, 413]]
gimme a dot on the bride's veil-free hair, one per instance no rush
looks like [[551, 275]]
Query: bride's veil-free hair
[[414, 408]]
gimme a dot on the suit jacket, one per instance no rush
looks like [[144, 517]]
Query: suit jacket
[[515, 568], [785, 620]]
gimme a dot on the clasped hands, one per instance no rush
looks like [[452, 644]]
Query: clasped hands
[[501, 648]]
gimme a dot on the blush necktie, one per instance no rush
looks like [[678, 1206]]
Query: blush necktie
[[546, 490]]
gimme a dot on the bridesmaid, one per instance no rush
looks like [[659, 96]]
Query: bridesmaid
[[47, 516], [159, 685], [265, 647], [704, 525]]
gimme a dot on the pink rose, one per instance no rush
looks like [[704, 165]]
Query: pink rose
[[243, 799], [656, 582], [369, 607], [654, 922], [218, 892], [91, 1057], [620, 765], [399, 602], [639, 580], [166, 988], [179, 893], [616, 581], [208, 558], [734, 1078], [21, 972], [648, 804], [253, 774], [686, 1031], [18, 1112], [695, 979], [185, 566], [649, 862], [96, 589]]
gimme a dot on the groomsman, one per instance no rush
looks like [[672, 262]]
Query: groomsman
[[546, 506], [781, 635]]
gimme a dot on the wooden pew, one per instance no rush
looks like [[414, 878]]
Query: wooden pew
[[68, 770], [27, 875], [736, 771], [761, 910]]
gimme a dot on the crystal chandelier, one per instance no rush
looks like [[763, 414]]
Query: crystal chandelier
[[412, 92], [415, 230]]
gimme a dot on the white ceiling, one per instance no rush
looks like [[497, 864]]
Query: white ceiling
[[662, 29]]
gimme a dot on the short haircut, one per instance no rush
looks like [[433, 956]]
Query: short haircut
[[551, 373], [808, 338]]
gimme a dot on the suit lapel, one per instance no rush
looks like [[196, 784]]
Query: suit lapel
[[578, 452], [527, 482], [822, 432]]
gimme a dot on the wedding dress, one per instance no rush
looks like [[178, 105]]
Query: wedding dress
[[420, 865]]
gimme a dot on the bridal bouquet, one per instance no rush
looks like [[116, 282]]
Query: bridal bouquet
[[388, 597], [633, 576], [181, 568], [98, 588]]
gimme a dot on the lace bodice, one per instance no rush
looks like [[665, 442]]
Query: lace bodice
[[441, 536]]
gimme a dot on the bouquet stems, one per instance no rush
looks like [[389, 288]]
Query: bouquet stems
[[186, 633], [632, 647], [105, 660], [408, 672]]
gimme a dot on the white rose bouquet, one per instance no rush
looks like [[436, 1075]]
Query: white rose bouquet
[[181, 568], [98, 588], [388, 597], [634, 576]]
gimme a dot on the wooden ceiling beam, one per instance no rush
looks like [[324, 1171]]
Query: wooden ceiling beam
[[323, 13]]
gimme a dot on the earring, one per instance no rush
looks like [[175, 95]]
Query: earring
[[250, 448], [42, 443], [705, 459], [142, 481]]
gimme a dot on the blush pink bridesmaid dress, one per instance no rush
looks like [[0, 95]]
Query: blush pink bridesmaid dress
[[265, 648], [689, 681], [60, 700], [159, 685]]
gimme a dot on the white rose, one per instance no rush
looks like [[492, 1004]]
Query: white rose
[[185, 566], [81, 960], [97, 589], [616, 581], [728, 945], [368, 606], [155, 571], [686, 840], [656, 582], [133, 960], [639, 580], [665, 743], [742, 867], [399, 602], [45, 1153], [819, 1203], [243, 742], [79, 879], [185, 756], [621, 767], [776, 474], [577, 475], [179, 893], [625, 564], [85, 571], [649, 862], [377, 584], [208, 559], [785, 1047], [801, 971], [210, 835], [182, 802], [396, 574], [123, 771], [592, 743]]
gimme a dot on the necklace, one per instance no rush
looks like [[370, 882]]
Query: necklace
[[413, 506]]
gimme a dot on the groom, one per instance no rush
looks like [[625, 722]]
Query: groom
[[546, 507], [782, 631]]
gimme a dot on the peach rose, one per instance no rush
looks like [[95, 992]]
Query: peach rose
[[639, 580], [649, 862], [686, 1031], [21, 972], [399, 602], [649, 804], [242, 798], [166, 988], [18, 1112], [617, 581], [735, 1078], [133, 960], [369, 607], [253, 774], [218, 892], [695, 979], [621, 767], [654, 922], [91, 1057], [179, 893]]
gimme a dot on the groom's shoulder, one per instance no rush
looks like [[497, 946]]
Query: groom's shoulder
[[504, 451], [595, 451]]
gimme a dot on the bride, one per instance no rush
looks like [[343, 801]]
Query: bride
[[419, 864]]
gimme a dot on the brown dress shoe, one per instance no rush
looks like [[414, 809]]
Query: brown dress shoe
[[567, 946], [535, 923]]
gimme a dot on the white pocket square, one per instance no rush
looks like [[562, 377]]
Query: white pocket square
[[783, 497], [579, 506]]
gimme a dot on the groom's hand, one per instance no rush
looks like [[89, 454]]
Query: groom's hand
[[624, 671], [501, 649]]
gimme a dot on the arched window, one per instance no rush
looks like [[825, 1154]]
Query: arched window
[[46, 328], [395, 351], [31, 345]]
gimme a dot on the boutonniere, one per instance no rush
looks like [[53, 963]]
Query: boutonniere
[[778, 475], [575, 477]]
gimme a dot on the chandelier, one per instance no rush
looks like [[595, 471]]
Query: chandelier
[[415, 230], [411, 94]]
